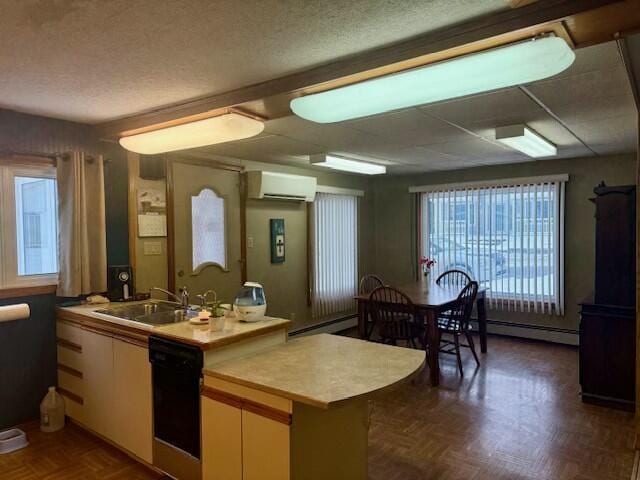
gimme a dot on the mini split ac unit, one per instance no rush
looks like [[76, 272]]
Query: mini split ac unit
[[280, 186]]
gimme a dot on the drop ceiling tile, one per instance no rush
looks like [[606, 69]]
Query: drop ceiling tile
[[582, 88], [408, 127], [615, 133], [266, 148], [603, 56], [488, 107], [404, 155], [330, 137], [469, 148]]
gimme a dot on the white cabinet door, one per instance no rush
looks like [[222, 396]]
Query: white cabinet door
[[221, 441], [132, 404], [265, 448], [97, 352]]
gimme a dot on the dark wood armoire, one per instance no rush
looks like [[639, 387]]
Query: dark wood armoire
[[607, 319]]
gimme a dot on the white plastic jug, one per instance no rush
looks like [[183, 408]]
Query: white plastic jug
[[52, 411]]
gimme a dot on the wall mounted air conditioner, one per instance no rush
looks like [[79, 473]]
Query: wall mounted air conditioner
[[281, 186]]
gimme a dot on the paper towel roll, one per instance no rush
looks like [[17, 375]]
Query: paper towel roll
[[14, 312]]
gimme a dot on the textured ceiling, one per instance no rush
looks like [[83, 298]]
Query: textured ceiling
[[587, 110], [97, 60]]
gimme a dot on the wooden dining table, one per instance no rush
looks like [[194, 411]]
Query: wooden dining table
[[431, 299]]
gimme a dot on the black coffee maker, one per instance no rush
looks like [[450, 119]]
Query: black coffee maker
[[119, 283]]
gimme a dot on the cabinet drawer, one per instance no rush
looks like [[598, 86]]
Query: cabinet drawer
[[70, 383], [69, 334], [70, 358], [73, 409]]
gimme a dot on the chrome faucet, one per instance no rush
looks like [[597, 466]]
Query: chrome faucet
[[203, 297], [183, 299]]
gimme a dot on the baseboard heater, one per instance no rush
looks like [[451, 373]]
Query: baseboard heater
[[329, 326], [526, 330], [495, 327]]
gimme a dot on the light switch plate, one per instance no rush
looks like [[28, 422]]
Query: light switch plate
[[249, 242], [152, 248]]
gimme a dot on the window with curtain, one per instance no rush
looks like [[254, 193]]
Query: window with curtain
[[335, 254], [507, 235], [29, 225]]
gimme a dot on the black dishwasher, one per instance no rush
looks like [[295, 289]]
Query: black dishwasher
[[177, 370]]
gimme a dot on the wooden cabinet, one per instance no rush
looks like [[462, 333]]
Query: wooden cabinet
[[106, 384], [245, 433], [607, 355], [97, 352], [607, 321], [615, 282], [249, 434], [132, 406], [264, 442], [221, 440]]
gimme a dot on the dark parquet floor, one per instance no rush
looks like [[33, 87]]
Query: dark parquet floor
[[517, 417]]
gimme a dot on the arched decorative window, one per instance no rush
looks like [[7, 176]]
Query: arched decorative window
[[209, 240]]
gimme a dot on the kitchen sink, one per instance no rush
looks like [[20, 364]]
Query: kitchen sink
[[151, 313]]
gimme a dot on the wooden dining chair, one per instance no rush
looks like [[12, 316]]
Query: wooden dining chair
[[368, 283], [456, 323], [454, 278], [396, 317]]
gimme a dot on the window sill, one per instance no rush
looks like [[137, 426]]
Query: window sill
[[15, 292]]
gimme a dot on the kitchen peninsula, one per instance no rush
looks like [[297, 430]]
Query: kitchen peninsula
[[269, 409]]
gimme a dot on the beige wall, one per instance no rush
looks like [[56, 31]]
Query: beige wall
[[393, 221], [286, 283]]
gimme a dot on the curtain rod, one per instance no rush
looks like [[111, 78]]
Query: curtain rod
[[504, 182], [50, 156]]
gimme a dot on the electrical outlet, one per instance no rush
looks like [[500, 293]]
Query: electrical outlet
[[249, 242]]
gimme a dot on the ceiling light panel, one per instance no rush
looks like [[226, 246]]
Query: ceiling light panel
[[347, 165], [525, 140], [220, 129], [502, 67]]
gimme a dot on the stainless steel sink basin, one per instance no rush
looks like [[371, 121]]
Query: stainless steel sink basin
[[151, 313]]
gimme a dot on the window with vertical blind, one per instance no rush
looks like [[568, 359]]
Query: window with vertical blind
[[508, 235], [335, 254]]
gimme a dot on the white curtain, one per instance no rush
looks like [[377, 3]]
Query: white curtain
[[508, 237], [82, 231], [335, 254]]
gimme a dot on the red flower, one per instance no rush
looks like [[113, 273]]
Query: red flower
[[427, 262]]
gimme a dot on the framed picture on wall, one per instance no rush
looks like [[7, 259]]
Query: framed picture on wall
[[277, 240]]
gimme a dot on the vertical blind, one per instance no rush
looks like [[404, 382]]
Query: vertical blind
[[507, 236], [335, 254]]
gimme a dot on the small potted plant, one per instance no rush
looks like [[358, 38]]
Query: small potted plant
[[426, 264], [217, 316]]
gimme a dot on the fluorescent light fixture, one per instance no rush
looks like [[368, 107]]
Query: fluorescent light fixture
[[501, 67], [347, 165], [525, 140], [223, 128]]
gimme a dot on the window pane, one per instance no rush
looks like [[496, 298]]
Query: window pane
[[503, 237], [36, 225], [208, 229]]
